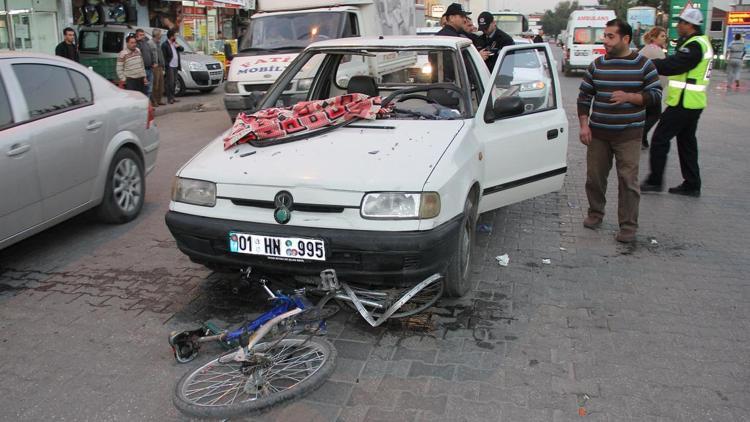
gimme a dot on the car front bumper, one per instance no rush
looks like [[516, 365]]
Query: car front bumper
[[361, 257]]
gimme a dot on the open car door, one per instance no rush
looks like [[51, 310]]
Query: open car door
[[523, 128]]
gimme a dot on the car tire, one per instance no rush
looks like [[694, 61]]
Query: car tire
[[179, 87], [124, 190], [456, 281], [208, 90]]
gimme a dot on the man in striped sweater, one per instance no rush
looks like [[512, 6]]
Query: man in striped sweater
[[130, 67], [621, 84]]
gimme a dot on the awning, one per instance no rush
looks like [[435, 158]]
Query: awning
[[228, 4]]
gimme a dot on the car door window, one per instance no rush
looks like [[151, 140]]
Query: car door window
[[89, 41], [48, 89], [526, 74], [81, 83], [6, 116], [113, 42], [474, 82]]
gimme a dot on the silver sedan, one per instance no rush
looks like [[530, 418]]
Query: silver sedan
[[69, 141]]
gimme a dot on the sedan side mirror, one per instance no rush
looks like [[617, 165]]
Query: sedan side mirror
[[504, 107]]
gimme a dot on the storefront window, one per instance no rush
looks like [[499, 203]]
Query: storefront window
[[27, 29]]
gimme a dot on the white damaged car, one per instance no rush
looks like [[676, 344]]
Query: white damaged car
[[385, 202]]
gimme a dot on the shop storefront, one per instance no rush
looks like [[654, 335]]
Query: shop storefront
[[31, 25], [207, 24]]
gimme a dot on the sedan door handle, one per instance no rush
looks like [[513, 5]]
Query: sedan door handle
[[18, 149], [552, 134], [94, 125]]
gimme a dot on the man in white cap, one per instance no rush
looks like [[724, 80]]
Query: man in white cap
[[689, 70]]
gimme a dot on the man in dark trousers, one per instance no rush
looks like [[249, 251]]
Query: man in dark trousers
[[171, 63], [492, 39], [614, 94], [689, 70], [68, 47]]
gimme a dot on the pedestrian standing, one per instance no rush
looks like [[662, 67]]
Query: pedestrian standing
[[539, 38], [157, 89], [656, 41], [621, 84], [492, 39], [689, 70], [130, 67], [149, 58], [171, 52], [735, 55], [68, 48]]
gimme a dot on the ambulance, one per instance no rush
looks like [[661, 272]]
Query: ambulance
[[280, 30], [584, 38]]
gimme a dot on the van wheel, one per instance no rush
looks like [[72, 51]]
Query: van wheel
[[456, 280], [125, 188], [179, 87]]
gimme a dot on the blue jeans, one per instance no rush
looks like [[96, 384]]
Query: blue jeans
[[150, 77]]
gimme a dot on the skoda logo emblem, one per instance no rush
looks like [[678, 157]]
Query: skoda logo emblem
[[284, 203]]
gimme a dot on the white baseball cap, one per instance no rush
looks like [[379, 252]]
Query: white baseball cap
[[691, 15]]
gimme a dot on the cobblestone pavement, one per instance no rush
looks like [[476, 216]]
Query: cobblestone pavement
[[656, 331]]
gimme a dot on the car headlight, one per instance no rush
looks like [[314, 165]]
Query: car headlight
[[231, 87], [196, 66], [401, 205], [304, 84], [533, 86], [195, 192]]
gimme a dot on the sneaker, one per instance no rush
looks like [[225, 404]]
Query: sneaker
[[686, 190], [592, 222], [625, 236], [648, 187]]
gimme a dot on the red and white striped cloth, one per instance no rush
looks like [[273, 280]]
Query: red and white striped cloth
[[278, 123]]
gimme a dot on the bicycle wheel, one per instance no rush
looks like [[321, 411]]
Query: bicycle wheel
[[419, 303], [274, 372]]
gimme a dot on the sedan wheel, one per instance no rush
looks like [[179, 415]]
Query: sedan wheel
[[125, 189]]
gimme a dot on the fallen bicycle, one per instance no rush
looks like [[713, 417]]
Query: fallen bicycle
[[294, 359]]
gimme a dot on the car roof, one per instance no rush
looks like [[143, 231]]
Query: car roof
[[30, 55], [395, 41]]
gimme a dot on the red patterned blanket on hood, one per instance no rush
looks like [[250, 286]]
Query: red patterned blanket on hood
[[278, 123]]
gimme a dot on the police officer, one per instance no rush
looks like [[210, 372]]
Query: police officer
[[689, 70], [492, 38]]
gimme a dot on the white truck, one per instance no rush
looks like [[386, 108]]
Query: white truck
[[584, 38], [282, 29]]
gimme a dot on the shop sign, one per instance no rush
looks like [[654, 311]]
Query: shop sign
[[738, 18]]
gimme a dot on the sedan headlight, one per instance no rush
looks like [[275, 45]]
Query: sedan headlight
[[231, 87], [195, 192], [533, 86], [196, 66], [401, 205]]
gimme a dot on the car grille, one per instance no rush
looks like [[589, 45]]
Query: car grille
[[213, 66], [257, 87], [331, 209]]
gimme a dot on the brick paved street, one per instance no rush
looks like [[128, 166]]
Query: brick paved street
[[657, 331]]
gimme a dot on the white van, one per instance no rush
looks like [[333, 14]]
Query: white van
[[282, 29], [584, 38]]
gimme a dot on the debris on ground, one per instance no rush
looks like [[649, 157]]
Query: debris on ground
[[563, 249], [484, 228], [546, 261], [654, 242], [503, 260]]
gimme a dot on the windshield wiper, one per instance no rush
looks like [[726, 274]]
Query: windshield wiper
[[415, 113]]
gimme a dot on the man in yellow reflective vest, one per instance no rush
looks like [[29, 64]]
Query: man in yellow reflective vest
[[689, 70]]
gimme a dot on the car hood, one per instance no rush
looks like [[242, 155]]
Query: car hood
[[198, 58], [398, 156]]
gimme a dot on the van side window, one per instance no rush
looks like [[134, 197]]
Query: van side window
[[47, 89], [350, 26], [89, 41], [113, 42], [6, 117]]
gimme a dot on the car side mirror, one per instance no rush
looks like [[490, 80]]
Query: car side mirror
[[504, 107]]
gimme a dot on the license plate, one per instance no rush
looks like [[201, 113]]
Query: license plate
[[287, 248]]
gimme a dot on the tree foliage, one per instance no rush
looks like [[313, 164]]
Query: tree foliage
[[555, 21]]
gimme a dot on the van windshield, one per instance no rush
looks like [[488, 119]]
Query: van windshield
[[588, 36], [293, 30], [184, 44]]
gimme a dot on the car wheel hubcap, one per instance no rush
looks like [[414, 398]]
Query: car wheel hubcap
[[126, 183], [465, 252]]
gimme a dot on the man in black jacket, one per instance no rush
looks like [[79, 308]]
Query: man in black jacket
[[68, 48], [171, 63], [492, 39]]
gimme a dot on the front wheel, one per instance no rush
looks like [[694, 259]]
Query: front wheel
[[125, 188], [456, 282], [273, 372]]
